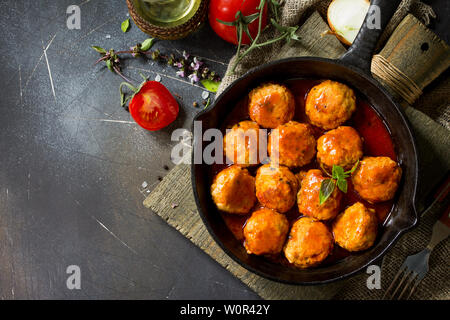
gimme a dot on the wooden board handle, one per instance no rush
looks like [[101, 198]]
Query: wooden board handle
[[414, 51]]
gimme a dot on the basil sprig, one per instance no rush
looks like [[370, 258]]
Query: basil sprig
[[337, 178]]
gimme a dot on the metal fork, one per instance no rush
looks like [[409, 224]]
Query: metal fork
[[415, 267]]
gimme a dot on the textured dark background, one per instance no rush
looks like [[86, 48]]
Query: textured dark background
[[73, 162]]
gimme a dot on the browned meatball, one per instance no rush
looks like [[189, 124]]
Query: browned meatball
[[271, 105], [342, 147], [276, 187], [309, 243], [233, 190], [241, 143], [308, 198], [265, 232], [295, 144], [356, 228], [329, 104], [377, 178]]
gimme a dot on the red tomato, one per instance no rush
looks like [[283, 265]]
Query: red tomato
[[153, 107], [225, 10]]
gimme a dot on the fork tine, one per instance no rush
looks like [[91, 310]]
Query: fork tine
[[407, 272], [407, 285], [416, 283], [400, 271]]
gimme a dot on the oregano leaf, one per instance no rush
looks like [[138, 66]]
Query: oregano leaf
[[337, 172], [326, 189], [211, 86], [125, 25], [109, 64], [342, 185], [99, 49], [147, 44]]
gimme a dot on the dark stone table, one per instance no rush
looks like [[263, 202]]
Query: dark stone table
[[75, 168]]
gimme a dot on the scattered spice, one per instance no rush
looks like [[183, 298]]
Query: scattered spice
[[166, 167], [195, 104], [174, 205]]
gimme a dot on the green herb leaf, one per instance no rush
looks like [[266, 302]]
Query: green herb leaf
[[210, 85], [342, 185], [338, 172], [109, 64], [125, 25], [326, 189], [99, 49], [147, 44]]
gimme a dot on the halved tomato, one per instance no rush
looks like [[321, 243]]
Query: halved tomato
[[153, 107]]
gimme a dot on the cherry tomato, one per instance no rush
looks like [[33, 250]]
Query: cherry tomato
[[153, 107], [225, 10]]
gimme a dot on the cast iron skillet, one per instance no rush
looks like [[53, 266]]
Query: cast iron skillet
[[354, 69]]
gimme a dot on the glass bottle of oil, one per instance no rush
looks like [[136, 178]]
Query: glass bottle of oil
[[167, 13]]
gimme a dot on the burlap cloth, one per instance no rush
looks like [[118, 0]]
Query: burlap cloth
[[433, 144]]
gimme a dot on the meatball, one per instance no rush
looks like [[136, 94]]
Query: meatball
[[356, 228], [308, 198], [276, 187], [241, 142], [342, 147], [233, 190], [329, 104], [271, 105], [295, 144], [377, 178], [265, 232], [309, 243]]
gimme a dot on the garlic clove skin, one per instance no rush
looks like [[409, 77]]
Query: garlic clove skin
[[345, 18]]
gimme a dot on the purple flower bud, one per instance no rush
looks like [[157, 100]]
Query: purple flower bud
[[178, 65], [180, 73], [185, 55], [193, 78], [196, 64]]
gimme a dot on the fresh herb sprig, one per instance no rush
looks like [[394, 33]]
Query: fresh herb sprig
[[241, 23], [337, 178], [187, 66]]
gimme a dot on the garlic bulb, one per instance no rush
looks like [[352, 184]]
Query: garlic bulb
[[345, 18]]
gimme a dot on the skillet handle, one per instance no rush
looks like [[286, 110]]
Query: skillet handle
[[360, 53]]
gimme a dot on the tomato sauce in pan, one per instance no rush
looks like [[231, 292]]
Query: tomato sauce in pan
[[377, 142]]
